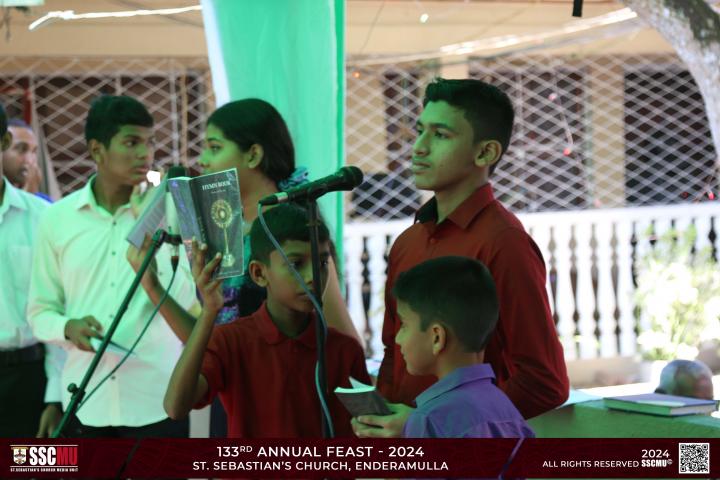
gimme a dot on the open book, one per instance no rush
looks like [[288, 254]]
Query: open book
[[661, 404], [209, 209], [362, 399], [152, 216]]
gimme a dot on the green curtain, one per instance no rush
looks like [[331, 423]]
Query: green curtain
[[290, 53]]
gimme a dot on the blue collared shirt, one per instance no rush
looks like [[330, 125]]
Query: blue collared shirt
[[466, 404]]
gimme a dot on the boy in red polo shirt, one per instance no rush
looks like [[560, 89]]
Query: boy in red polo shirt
[[263, 366], [464, 129]]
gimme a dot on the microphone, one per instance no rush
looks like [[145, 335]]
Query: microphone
[[171, 219], [344, 179]]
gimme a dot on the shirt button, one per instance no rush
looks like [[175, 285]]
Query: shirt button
[[110, 316], [112, 378], [114, 223], [112, 253], [112, 284], [433, 241]]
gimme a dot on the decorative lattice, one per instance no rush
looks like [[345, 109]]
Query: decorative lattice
[[54, 94], [591, 132]]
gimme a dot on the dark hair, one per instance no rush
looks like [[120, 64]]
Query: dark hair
[[457, 292], [108, 113], [3, 121], [254, 121], [287, 221], [487, 108], [18, 122]]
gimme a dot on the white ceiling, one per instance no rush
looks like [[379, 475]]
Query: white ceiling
[[373, 26]]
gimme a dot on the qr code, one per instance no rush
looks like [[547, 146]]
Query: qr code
[[694, 458]]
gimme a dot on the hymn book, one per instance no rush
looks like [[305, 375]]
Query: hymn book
[[362, 399], [661, 404], [209, 209]]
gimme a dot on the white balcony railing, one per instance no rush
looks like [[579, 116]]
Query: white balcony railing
[[589, 257]]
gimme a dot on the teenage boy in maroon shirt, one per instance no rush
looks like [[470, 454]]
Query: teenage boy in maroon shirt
[[462, 132]]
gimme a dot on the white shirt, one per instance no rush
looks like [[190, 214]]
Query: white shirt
[[19, 216], [80, 269]]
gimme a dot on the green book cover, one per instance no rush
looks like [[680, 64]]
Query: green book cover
[[209, 209], [661, 404]]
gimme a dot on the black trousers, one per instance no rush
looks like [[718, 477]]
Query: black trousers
[[22, 398]]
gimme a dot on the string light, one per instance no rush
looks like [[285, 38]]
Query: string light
[[617, 17], [71, 15], [424, 17]]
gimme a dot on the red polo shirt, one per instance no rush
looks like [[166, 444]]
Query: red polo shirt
[[266, 380], [524, 351]]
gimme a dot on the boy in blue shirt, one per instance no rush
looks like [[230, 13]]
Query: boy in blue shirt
[[448, 309]]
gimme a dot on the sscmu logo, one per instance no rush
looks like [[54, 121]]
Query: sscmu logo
[[44, 458]]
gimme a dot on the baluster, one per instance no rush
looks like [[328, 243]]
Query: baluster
[[712, 236], [540, 233], [572, 245], [647, 235], [625, 317], [353, 248], [584, 291], [559, 238], [594, 284], [552, 277], [703, 226], [376, 247], [606, 297]]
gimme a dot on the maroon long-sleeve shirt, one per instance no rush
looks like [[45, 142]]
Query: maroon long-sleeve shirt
[[524, 351]]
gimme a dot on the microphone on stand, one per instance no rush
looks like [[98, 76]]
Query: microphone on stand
[[171, 219], [344, 179]]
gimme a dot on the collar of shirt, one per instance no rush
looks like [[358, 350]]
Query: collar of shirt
[[273, 336], [456, 378], [11, 198], [464, 213], [86, 198]]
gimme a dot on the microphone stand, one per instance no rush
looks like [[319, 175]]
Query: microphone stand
[[78, 392], [317, 287]]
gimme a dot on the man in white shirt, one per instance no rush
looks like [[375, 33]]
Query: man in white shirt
[[80, 277], [20, 162], [29, 379]]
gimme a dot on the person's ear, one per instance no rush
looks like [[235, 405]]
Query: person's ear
[[258, 273], [6, 140], [256, 154], [489, 152], [439, 338], [97, 151]]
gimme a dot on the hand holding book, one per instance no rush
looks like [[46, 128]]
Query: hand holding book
[[362, 399], [210, 290]]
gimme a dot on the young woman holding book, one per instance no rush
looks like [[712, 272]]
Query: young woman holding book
[[251, 136]]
